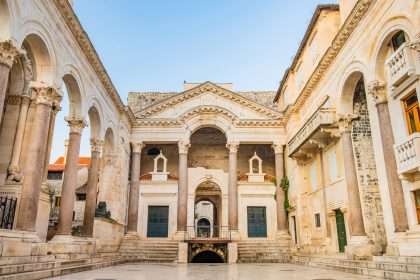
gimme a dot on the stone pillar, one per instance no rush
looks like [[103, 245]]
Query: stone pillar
[[45, 98], [55, 111], [282, 226], [378, 90], [324, 193], [92, 187], [8, 55], [14, 170], [70, 177], [233, 185], [182, 186], [133, 202], [357, 227]]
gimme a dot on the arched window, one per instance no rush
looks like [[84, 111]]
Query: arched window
[[397, 40]]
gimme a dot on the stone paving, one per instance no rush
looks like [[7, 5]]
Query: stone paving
[[211, 272]]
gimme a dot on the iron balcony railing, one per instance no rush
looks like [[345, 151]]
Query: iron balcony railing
[[207, 233]]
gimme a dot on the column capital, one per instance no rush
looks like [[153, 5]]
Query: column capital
[[415, 45], [345, 122], [377, 89], [278, 148], [233, 146], [137, 147], [76, 125], [8, 53], [183, 147], [46, 95], [96, 145]]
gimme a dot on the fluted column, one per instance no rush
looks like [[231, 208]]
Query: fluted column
[[14, 170], [182, 185], [133, 203], [280, 195], [70, 177], [357, 227], [233, 185], [8, 55], [378, 90], [45, 98], [92, 183]]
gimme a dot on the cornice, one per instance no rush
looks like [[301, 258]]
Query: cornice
[[88, 49], [201, 89], [356, 15]]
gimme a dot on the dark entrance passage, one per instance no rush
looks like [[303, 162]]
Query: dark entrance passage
[[207, 257], [341, 230]]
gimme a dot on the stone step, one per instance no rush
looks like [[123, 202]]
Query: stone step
[[397, 259]]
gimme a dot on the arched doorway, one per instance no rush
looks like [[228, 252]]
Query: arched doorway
[[207, 210], [207, 257]]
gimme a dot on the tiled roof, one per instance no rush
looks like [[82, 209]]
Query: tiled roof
[[59, 164]]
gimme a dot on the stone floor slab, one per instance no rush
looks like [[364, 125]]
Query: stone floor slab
[[211, 272]]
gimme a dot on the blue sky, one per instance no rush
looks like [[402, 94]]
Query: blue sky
[[157, 44]]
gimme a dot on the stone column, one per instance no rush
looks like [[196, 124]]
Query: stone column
[[45, 98], [182, 185], [14, 170], [378, 90], [133, 202], [8, 55], [92, 187], [70, 177], [282, 226], [54, 113], [324, 192], [357, 227], [233, 185]]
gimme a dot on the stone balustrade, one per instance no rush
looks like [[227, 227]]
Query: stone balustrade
[[401, 64], [408, 155], [324, 117]]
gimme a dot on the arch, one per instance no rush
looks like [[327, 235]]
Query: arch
[[345, 105], [93, 102], [380, 49], [74, 95], [109, 143], [95, 123], [39, 55], [4, 20], [217, 121], [208, 256]]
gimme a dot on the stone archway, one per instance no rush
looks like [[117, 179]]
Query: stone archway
[[207, 205]]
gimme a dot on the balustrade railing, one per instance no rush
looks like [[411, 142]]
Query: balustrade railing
[[7, 211], [401, 64], [408, 154], [207, 233]]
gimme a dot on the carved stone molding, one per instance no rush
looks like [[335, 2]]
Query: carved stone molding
[[415, 45], [345, 122], [8, 53], [377, 89], [75, 125], [183, 147], [13, 100], [277, 148], [96, 145]]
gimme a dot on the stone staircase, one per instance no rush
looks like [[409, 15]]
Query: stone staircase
[[385, 267], [149, 251], [262, 252], [39, 267]]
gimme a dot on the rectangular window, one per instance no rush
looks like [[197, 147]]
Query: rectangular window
[[417, 200], [412, 113], [332, 165], [313, 176], [317, 220]]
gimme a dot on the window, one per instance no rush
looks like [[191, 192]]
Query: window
[[313, 176], [55, 176], [332, 165], [80, 196], [317, 220], [57, 201], [397, 40], [412, 113], [417, 201]]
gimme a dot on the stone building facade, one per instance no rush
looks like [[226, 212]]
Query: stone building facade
[[327, 165]]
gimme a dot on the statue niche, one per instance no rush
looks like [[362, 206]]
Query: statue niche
[[255, 174], [160, 173]]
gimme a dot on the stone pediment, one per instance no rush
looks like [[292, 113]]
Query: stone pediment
[[207, 98]]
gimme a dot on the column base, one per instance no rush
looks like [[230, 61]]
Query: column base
[[182, 252], [64, 238], [25, 236], [232, 252], [180, 235], [359, 248], [132, 235], [235, 235]]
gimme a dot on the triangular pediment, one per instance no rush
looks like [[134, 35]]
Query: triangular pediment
[[208, 95]]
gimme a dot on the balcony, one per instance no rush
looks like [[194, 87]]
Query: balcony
[[408, 155], [401, 65], [317, 129]]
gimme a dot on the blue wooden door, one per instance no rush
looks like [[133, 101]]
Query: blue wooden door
[[157, 221], [257, 222]]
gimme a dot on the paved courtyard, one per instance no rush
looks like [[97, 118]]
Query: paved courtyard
[[211, 272]]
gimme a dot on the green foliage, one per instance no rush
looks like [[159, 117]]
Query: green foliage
[[285, 184]]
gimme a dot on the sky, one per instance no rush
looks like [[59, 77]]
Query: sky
[[156, 45]]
